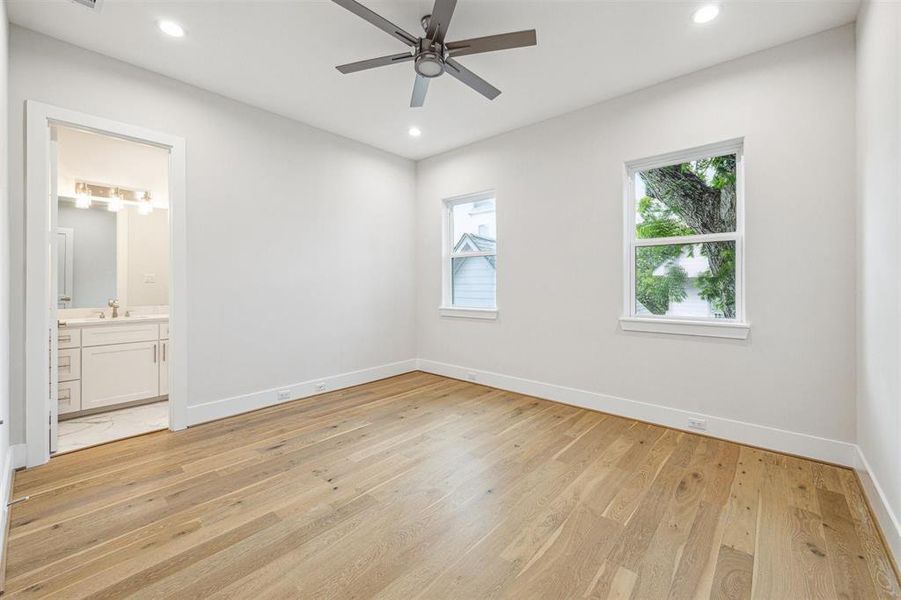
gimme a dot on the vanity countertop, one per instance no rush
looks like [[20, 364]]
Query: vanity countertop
[[97, 321]]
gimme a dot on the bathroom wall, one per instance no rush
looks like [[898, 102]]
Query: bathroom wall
[[300, 260], [144, 258]]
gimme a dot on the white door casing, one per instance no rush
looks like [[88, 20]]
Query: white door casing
[[52, 398]]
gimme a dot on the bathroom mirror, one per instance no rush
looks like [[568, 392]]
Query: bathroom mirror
[[103, 255]]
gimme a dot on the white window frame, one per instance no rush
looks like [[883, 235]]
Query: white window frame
[[447, 308], [737, 328]]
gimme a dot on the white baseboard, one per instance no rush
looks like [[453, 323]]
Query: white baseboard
[[19, 454], [887, 520], [781, 440], [227, 407], [14, 459]]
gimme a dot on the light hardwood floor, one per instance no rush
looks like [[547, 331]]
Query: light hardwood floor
[[425, 487]]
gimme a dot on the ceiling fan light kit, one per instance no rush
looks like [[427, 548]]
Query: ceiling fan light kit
[[431, 56]]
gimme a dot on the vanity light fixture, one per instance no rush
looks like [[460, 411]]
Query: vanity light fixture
[[82, 195], [705, 14], [115, 201], [144, 205]]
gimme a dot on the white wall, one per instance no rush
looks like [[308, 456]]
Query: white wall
[[6, 462], [560, 217], [879, 255], [300, 261]]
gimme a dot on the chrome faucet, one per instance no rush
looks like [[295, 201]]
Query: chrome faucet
[[114, 304]]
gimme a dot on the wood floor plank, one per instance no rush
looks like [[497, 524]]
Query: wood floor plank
[[419, 486], [734, 570]]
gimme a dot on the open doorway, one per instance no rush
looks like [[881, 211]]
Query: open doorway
[[142, 325], [110, 268]]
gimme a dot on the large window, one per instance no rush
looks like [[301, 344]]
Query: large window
[[684, 255], [470, 256]]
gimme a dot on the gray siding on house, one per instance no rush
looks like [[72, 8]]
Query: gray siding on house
[[474, 285]]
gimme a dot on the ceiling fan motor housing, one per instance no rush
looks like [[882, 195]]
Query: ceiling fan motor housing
[[429, 63]]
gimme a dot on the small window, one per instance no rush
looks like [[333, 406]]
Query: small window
[[685, 236], [471, 253]]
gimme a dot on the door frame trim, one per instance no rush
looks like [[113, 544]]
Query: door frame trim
[[38, 321]]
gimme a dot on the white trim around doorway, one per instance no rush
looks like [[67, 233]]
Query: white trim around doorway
[[40, 312]]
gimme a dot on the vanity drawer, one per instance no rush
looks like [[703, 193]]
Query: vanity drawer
[[164, 331], [119, 334], [68, 364], [69, 396], [68, 338]]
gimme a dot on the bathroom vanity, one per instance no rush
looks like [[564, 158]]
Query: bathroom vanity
[[106, 363]]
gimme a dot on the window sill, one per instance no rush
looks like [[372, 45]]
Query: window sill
[[468, 313], [730, 330]]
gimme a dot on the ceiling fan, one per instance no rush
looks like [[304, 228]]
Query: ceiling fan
[[431, 55]]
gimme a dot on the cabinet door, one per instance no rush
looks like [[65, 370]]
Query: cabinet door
[[164, 368], [119, 373]]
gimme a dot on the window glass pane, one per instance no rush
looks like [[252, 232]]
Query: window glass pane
[[474, 226], [690, 198], [473, 280], [686, 280]]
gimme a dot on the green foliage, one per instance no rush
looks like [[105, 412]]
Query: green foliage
[[717, 171], [658, 220], [656, 292], [718, 286]]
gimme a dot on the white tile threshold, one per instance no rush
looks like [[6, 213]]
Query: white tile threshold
[[100, 428]]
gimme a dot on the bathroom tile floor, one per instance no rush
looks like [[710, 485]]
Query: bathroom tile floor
[[100, 428]]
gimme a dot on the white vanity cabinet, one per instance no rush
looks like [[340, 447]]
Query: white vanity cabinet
[[112, 363]]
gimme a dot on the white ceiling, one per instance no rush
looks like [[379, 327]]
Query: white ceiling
[[281, 55]]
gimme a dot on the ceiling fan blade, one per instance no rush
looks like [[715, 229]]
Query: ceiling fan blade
[[420, 87], [471, 79], [382, 61], [440, 20], [377, 20], [491, 43]]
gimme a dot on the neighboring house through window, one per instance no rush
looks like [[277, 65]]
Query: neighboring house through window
[[685, 242], [471, 255]]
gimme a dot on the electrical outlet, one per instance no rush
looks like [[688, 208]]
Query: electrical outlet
[[284, 394], [471, 376], [320, 387], [697, 423]]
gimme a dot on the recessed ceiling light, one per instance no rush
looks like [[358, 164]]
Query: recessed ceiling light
[[705, 14], [172, 28], [415, 132]]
